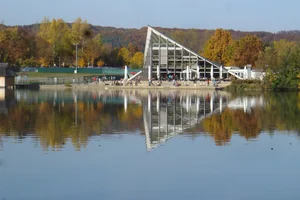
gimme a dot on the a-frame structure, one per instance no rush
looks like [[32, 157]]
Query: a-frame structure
[[164, 57]]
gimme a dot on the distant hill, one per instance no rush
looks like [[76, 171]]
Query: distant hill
[[193, 39]]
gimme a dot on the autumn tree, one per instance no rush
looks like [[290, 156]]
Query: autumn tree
[[53, 41], [100, 63], [137, 60], [124, 55], [15, 45], [81, 32], [82, 62], [246, 50], [132, 49], [82, 36], [93, 48], [216, 47], [45, 53]]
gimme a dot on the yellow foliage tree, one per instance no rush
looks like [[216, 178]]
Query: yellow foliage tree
[[124, 54], [100, 63], [82, 62], [44, 62], [137, 60], [216, 47]]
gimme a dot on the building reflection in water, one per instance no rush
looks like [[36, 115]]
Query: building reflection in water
[[166, 115], [246, 103]]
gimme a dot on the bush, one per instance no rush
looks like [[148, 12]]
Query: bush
[[68, 85], [245, 85]]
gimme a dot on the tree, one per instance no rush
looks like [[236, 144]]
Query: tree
[[246, 50], [93, 49], [81, 31], [14, 45], [137, 60], [82, 62], [267, 58], [124, 55], [281, 61], [53, 41], [100, 63], [45, 53], [216, 46], [132, 49]]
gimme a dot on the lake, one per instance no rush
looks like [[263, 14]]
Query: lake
[[158, 144]]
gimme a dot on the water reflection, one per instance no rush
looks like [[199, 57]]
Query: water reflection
[[168, 114], [252, 115], [54, 117], [6, 100]]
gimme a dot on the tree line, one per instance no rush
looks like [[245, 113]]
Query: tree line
[[54, 43], [279, 59]]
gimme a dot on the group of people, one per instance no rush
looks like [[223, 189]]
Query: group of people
[[177, 83], [152, 83]]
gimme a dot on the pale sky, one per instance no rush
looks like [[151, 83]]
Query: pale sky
[[250, 15]]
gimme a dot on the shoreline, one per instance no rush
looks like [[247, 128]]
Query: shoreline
[[142, 86]]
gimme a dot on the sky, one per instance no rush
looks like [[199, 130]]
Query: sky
[[250, 15]]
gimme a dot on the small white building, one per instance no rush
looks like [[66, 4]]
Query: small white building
[[247, 72], [257, 74]]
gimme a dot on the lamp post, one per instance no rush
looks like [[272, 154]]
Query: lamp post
[[76, 57]]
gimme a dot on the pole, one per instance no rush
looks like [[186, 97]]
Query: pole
[[76, 57]]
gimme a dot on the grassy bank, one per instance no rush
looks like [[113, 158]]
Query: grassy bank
[[245, 85], [255, 85]]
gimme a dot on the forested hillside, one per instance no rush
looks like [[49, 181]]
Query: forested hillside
[[194, 39]]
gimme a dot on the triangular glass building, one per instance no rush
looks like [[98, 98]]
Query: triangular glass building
[[163, 57]]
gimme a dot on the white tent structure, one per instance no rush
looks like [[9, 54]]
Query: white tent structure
[[188, 74], [173, 58]]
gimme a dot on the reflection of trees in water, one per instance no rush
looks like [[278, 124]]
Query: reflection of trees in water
[[222, 126], [281, 112], [54, 125]]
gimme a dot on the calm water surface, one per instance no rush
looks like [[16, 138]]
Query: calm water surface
[[148, 145]]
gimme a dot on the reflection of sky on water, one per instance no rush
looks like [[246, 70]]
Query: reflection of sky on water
[[122, 169]]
